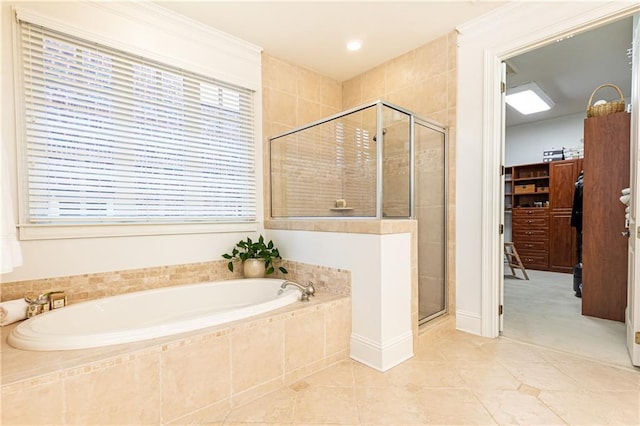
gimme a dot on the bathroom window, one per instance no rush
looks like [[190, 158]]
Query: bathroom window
[[115, 138]]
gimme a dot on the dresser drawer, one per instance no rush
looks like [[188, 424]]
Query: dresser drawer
[[528, 234], [531, 221], [524, 212], [535, 261], [527, 245]]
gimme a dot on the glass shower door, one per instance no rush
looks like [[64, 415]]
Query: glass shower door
[[430, 212]]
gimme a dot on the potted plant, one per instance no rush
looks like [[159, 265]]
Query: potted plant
[[257, 257]]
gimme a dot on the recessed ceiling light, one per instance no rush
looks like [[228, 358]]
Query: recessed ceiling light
[[528, 99], [354, 45]]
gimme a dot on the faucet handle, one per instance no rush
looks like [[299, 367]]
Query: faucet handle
[[310, 289]]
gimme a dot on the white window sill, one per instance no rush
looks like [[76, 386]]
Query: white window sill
[[56, 232]]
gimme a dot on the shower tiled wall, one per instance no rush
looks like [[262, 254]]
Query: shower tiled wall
[[422, 80], [293, 96]]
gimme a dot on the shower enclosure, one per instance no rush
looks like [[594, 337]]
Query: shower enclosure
[[376, 161]]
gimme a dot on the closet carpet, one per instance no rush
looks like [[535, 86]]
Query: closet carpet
[[544, 311]]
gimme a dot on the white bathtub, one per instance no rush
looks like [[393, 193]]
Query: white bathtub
[[148, 314]]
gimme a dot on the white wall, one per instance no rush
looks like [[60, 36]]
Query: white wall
[[146, 30], [481, 45], [380, 266], [525, 143]]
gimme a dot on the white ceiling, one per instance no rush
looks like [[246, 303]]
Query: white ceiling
[[313, 34]]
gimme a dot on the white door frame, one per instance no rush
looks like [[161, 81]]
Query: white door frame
[[632, 311], [492, 251]]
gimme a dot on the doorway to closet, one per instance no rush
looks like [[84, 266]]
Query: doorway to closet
[[544, 310]]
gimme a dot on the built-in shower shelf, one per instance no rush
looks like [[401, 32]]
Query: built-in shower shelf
[[341, 209]]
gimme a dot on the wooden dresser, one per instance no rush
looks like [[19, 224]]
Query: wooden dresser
[[531, 236], [541, 199]]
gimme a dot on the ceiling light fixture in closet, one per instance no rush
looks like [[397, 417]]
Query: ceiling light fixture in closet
[[528, 98]]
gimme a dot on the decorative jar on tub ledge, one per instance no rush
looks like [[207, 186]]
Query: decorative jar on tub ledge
[[258, 258]]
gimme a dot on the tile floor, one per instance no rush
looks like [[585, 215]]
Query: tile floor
[[458, 379]]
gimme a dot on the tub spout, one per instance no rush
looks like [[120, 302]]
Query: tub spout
[[307, 290]]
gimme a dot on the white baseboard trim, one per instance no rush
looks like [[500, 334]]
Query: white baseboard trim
[[382, 356], [468, 322]]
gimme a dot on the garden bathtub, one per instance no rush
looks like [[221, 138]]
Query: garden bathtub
[[151, 313]]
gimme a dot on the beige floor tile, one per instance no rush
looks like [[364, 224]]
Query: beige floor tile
[[504, 349], [541, 376], [428, 352], [368, 377], [255, 424], [325, 405], [513, 407], [389, 405], [213, 414], [340, 374], [433, 374], [552, 355], [595, 408], [275, 407], [258, 391], [452, 407], [487, 375], [455, 348], [596, 376]]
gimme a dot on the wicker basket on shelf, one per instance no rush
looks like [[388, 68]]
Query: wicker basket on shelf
[[608, 107]]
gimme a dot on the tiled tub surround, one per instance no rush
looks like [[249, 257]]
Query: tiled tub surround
[[185, 377], [80, 288], [194, 377]]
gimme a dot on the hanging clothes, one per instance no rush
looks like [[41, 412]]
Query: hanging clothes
[[576, 211], [576, 222]]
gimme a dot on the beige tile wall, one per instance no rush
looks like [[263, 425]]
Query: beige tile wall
[[423, 81], [80, 288], [189, 380], [293, 96]]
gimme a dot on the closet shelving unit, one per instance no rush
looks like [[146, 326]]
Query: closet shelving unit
[[541, 197]]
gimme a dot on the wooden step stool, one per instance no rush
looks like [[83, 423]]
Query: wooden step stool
[[513, 259]]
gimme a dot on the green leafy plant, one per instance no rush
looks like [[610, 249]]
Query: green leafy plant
[[248, 249]]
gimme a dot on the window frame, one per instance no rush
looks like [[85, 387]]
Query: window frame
[[31, 231]]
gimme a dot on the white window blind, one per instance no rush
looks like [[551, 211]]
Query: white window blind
[[115, 138]]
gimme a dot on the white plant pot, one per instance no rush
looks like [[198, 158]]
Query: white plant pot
[[254, 268]]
